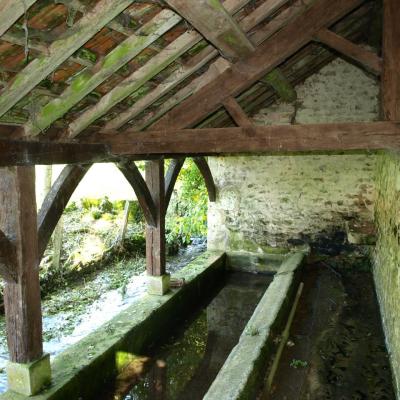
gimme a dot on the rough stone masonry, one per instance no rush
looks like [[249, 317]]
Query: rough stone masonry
[[279, 200]]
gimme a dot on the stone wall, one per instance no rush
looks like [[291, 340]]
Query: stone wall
[[387, 254], [275, 200]]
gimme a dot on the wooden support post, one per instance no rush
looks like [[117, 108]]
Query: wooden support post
[[22, 297], [155, 235], [391, 61]]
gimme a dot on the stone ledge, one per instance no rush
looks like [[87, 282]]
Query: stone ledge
[[244, 370], [97, 357]]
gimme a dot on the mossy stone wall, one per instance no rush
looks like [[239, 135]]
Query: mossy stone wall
[[387, 254]]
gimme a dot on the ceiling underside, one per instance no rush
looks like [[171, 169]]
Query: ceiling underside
[[124, 64]]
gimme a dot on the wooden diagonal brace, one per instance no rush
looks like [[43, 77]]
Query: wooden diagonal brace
[[139, 185]]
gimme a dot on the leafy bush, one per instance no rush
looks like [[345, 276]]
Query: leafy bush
[[187, 213]]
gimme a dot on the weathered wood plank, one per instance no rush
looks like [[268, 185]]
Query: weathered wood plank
[[171, 176], [155, 235], [391, 61], [264, 10], [136, 180], [214, 22], [215, 69], [134, 81], [366, 58], [37, 70], [267, 56], [89, 79], [205, 171], [11, 11], [56, 201], [22, 297]]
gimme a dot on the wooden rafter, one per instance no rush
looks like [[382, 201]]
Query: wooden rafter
[[220, 65], [237, 113], [215, 23], [20, 40], [148, 71], [89, 79], [11, 11], [136, 180], [134, 81], [217, 67], [366, 58], [267, 56], [56, 201], [59, 51]]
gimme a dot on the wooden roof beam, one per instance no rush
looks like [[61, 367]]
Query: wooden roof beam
[[269, 55], [11, 11], [362, 56], [141, 76], [239, 116], [185, 71], [175, 143], [272, 138], [14, 38], [59, 51], [279, 85], [88, 80], [214, 22]]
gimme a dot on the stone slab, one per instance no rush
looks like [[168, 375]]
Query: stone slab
[[97, 357], [244, 369]]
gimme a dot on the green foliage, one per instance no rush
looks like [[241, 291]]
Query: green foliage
[[135, 212], [187, 213], [298, 363]]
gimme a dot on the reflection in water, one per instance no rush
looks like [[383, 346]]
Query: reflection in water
[[185, 367]]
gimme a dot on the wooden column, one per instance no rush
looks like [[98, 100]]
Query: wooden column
[[22, 297], [155, 235], [391, 61]]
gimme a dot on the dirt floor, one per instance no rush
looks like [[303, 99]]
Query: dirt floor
[[336, 348]]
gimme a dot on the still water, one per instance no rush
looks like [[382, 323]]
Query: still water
[[185, 366]]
